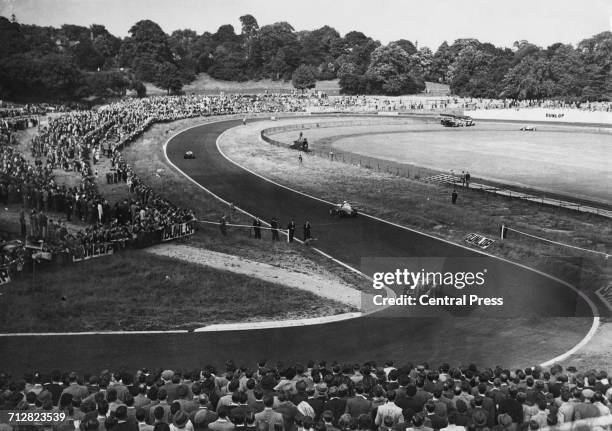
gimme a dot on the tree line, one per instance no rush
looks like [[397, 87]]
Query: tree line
[[76, 62]]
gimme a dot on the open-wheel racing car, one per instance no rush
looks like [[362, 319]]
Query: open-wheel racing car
[[528, 129], [344, 210], [188, 155]]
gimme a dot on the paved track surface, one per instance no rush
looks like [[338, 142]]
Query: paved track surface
[[526, 330]]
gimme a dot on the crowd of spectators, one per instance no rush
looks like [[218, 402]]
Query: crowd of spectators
[[76, 141], [316, 397], [439, 103], [360, 104], [472, 103]]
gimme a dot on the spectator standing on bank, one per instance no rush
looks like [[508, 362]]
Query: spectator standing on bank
[[257, 228], [223, 225], [291, 229], [467, 179], [274, 227], [307, 232], [22, 222], [454, 197]]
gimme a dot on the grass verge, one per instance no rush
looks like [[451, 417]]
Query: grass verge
[[135, 290]]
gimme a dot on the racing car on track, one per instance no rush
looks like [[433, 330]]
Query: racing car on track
[[188, 155], [343, 210], [528, 129]]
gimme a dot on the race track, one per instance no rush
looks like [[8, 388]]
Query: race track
[[536, 306]]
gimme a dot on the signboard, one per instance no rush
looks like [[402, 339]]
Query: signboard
[[5, 275], [478, 240], [177, 231], [93, 250], [543, 115]]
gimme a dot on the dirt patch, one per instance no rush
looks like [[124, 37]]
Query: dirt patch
[[326, 286]]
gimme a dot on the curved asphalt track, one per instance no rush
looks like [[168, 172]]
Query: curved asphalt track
[[517, 334]]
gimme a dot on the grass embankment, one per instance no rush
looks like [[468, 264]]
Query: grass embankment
[[135, 290], [205, 84]]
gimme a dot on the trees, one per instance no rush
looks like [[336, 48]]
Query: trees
[[167, 78], [145, 50], [316, 50], [390, 72], [30, 61], [353, 62], [279, 50], [479, 69], [304, 77]]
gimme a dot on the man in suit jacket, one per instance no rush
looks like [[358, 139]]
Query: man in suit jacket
[[512, 406], [125, 423], [141, 415], [335, 404], [390, 409], [204, 414], [269, 416], [257, 405], [358, 404], [432, 418], [409, 401], [75, 389], [288, 410], [222, 423], [487, 404], [317, 402], [585, 409]]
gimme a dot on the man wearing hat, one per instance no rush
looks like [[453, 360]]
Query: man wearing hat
[[479, 418], [203, 415], [170, 384], [317, 398], [335, 404], [505, 423], [180, 422]]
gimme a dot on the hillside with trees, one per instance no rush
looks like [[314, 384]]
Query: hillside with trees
[[76, 62]]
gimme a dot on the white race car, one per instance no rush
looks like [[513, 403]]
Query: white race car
[[528, 129], [344, 210], [188, 155]]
